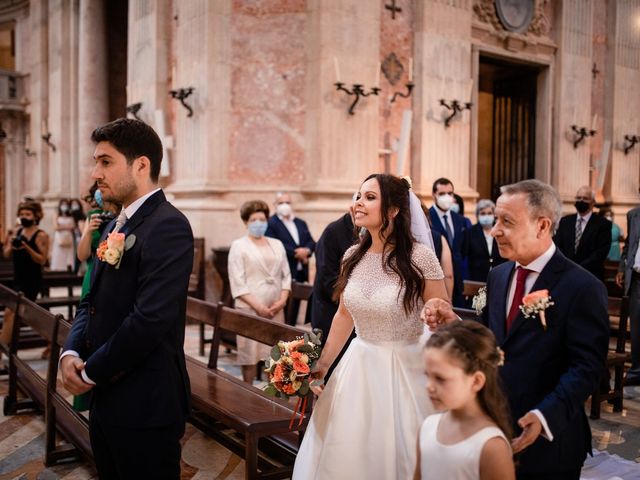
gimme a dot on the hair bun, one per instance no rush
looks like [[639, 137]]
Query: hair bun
[[407, 181]]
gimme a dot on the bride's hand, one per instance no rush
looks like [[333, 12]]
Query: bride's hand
[[437, 312], [317, 377]]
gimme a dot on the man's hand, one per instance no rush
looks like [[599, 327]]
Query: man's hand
[[531, 429], [620, 279], [70, 367], [301, 254], [437, 312]]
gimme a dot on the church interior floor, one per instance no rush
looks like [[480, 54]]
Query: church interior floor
[[616, 440]]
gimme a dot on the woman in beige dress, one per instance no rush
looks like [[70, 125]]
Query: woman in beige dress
[[260, 280]]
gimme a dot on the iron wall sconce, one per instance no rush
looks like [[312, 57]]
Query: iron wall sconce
[[409, 86], [632, 139], [181, 94], [358, 91], [581, 134], [133, 109], [455, 107], [47, 139], [29, 153]]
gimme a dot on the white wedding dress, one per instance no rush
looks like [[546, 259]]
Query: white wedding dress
[[365, 423]]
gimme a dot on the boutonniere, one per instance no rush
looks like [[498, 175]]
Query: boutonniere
[[112, 249], [479, 300], [535, 303]]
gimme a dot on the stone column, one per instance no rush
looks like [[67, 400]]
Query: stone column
[[342, 149], [201, 59], [62, 102], [93, 104], [571, 166], [623, 100], [443, 71]]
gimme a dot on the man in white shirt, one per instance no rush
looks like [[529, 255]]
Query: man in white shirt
[[555, 356], [126, 343]]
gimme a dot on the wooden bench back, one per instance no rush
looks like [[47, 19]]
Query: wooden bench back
[[466, 313], [471, 287], [196, 279], [253, 327], [42, 321], [618, 310], [9, 298], [300, 291]]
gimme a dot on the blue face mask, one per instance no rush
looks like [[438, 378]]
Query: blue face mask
[[257, 229], [485, 220], [97, 196]]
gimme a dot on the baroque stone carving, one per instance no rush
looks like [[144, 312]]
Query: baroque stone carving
[[485, 12]]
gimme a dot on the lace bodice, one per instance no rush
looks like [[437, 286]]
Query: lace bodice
[[373, 297]]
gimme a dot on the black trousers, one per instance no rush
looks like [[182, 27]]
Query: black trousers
[[123, 453]]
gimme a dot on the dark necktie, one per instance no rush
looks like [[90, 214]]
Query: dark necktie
[[448, 229], [521, 277], [578, 233]]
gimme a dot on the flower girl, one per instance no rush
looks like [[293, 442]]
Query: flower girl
[[470, 438]]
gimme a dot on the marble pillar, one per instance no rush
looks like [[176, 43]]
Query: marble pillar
[[443, 71], [624, 100], [572, 166], [93, 106]]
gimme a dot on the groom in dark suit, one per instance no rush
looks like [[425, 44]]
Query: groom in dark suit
[[552, 362], [126, 344]]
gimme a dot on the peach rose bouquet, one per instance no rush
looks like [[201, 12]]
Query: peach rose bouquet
[[535, 303], [289, 367], [111, 249]]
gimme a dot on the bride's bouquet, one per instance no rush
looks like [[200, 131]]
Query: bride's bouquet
[[289, 366]]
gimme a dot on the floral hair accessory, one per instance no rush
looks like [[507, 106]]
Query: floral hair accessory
[[479, 300], [535, 303], [111, 249]]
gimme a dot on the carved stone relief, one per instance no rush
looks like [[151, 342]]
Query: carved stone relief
[[485, 11]]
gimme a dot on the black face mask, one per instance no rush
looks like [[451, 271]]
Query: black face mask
[[582, 206], [26, 222]]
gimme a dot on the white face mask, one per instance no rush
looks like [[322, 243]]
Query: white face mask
[[486, 220], [445, 201], [455, 208], [284, 210]]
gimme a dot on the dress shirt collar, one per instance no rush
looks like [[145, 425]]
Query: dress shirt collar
[[539, 263], [136, 204], [585, 218]]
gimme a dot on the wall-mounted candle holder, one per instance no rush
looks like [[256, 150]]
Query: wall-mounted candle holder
[[358, 91], [47, 139], [133, 109], [29, 153], [454, 107], [409, 86], [632, 139], [581, 134], [181, 94]]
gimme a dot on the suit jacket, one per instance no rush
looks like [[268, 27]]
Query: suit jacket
[[630, 247], [130, 327], [459, 234], [553, 370], [248, 272], [277, 229], [477, 254], [594, 244], [337, 237]]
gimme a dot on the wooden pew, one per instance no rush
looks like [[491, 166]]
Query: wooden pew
[[617, 356], [21, 375], [299, 291], [60, 415], [235, 404], [69, 280]]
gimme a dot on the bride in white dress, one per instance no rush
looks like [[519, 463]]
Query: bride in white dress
[[365, 422]]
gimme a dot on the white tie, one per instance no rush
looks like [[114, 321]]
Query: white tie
[[122, 219]]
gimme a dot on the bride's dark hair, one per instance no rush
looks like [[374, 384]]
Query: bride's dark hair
[[398, 242]]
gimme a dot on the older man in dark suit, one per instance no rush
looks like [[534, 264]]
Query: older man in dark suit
[[628, 277], [585, 237], [127, 339], [294, 234], [553, 357]]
